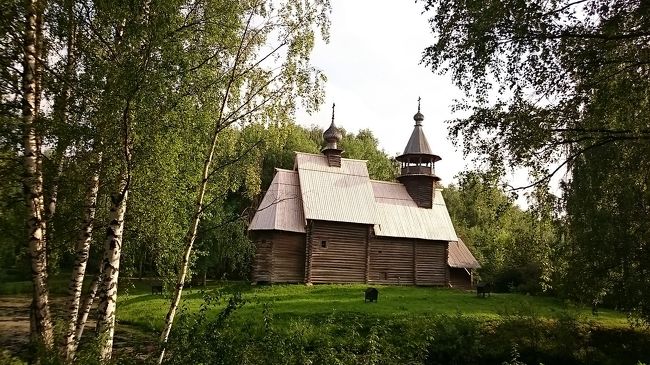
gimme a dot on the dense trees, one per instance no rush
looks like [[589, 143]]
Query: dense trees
[[118, 104], [562, 84], [516, 248]]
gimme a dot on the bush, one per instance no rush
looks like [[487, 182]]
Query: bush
[[516, 337]]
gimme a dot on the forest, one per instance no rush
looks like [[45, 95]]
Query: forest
[[137, 139]]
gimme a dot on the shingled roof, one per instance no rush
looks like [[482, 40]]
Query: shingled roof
[[417, 144], [460, 256]]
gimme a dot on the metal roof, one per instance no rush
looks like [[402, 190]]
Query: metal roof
[[460, 256], [391, 193], [281, 208], [346, 194], [417, 144], [318, 162], [396, 220], [339, 194]]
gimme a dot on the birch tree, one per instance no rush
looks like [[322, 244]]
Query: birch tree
[[149, 87], [251, 89], [33, 178], [566, 83]]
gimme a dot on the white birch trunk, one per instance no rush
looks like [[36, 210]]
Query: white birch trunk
[[198, 211], [54, 194], [85, 309], [110, 272], [82, 250], [189, 242], [33, 182]]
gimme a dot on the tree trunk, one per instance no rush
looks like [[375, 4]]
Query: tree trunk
[[111, 270], [81, 259], [198, 211], [85, 309], [189, 242], [54, 193], [33, 182]]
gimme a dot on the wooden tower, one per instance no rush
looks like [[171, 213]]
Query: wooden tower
[[417, 170]]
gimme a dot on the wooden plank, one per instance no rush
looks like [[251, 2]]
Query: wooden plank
[[288, 257], [343, 259], [262, 261], [431, 266], [391, 261], [459, 278], [308, 252]]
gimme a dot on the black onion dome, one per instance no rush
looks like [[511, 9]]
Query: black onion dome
[[332, 134], [418, 117]]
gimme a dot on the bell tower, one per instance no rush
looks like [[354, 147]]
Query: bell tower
[[417, 171]]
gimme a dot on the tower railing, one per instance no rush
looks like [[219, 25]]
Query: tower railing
[[417, 170]]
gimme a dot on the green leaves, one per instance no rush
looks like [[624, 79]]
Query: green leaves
[[514, 247], [562, 82]]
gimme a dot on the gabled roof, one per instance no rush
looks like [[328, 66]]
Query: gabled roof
[[460, 256], [399, 216], [391, 193], [281, 207], [346, 194], [338, 194]]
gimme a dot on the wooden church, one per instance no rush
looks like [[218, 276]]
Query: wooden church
[[326, 221]]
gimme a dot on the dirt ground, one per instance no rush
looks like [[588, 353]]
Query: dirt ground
[[14, 329]]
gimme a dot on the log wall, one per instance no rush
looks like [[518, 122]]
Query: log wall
[[431, 263], [262, 261], [288, 257], [351, 255], [343, 260], [279, 257], [391, 261]]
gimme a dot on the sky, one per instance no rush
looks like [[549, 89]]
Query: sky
[[372, 64]]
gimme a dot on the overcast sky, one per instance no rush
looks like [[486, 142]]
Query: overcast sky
[[372, 63]]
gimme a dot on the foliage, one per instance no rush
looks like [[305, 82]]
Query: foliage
[[514, 247], [221, 331], [608, 220], [7, 358], [563, 84], [364, 146]]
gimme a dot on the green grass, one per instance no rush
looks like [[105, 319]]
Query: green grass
[[317, 303], [137, 306]]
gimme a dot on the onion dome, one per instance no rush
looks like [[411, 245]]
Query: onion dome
[[418, 117], [332, 135]]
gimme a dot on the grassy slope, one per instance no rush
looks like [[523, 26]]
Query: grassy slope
[[316, 303]]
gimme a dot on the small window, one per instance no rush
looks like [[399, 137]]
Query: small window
[[323, 244]]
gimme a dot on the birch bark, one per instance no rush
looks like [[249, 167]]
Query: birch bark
[[82, 250], [198, 210], [110, 271], [85, 309], [33, 181]]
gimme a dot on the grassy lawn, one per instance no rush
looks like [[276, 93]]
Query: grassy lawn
[[325, 324], [316, 303]]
